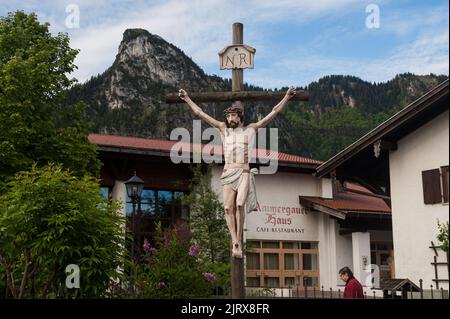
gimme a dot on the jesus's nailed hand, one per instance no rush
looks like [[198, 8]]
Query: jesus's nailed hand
[[290, 92], [182, 94]]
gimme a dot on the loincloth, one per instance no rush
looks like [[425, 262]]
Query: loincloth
[[234, 176]]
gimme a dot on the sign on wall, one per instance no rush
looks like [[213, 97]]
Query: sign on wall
[[281, 222]]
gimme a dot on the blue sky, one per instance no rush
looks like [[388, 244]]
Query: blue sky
[[296, 41]]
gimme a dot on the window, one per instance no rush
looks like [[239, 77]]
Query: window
[[289, 281], [309, 245], [253, 261], [253, 244], [310, 281], [282, 263], [431, 183], [288, 245], [381, 254], [270, 244], [445, 188], [271, 282], [156, 205], [309, 262], [178, 195], [271, 261], [164, 202], [291, 261], [253, 281], [105, 191], [291, 245], [147, 203], [160, 203]]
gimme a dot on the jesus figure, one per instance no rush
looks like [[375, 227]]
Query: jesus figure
[[239, 194]]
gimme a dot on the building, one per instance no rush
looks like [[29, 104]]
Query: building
[[304, 229], [405, 161]]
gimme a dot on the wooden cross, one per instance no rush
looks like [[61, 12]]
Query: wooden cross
[[243, 58], [237, 83]]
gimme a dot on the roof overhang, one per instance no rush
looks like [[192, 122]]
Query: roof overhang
[[308, 203], [309, 168]]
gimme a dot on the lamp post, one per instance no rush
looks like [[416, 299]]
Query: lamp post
[[134, 187]]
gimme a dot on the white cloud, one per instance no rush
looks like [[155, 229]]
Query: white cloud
[[199, 28], [300, 11], [404, 22], [202, 28], [189, 25], [429, 53]]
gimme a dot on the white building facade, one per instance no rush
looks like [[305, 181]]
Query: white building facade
[[415, 222], [405, 161]]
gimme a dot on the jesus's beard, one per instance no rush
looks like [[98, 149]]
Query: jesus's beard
[[232, 124]]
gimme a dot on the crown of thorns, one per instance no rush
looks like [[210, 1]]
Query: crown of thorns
[[236, 107]]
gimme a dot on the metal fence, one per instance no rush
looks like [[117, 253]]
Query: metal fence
[[305, 292]]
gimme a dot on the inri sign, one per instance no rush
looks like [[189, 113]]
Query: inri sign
[[237, 56]]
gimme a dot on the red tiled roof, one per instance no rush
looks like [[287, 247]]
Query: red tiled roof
[[352, 202], [139, 143]]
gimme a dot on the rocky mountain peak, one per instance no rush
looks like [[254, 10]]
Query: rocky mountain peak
[[145, 60]]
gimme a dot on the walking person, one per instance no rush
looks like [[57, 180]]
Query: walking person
[[353, 288]]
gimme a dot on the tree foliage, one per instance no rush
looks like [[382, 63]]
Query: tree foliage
[[207, 218], [35, 127], [50, 219], [443, 235], [323, 135]]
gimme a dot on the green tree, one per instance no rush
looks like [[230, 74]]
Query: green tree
[[35, 127], [50, 219], [443, 235], [207, 219]]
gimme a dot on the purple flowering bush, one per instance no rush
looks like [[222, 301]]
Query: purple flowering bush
[[172, 269], [194, 250]]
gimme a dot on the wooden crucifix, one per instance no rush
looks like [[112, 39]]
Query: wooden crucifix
[[237, 178]]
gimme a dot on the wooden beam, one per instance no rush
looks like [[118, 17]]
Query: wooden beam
[[237, 264], [332, 212], [199, 97], [367, 193], [237, 75], [305, 202], [371, 186]]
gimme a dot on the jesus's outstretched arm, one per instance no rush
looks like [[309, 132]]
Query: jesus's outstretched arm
[[199, 112], [277, 109]]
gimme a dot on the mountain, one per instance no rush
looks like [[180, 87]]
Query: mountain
[[338, 90], [128, 99]]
